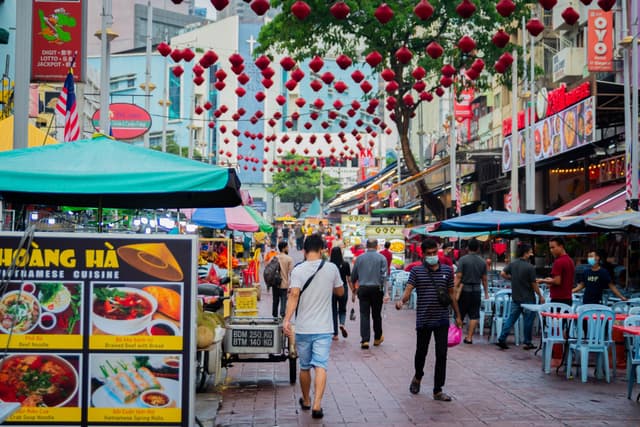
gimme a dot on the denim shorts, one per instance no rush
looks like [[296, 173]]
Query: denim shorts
[[313, 350]]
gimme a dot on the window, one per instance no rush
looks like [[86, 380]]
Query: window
[[174, 96], [155, 138], [123, 82]]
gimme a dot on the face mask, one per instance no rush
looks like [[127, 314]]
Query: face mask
[[431, 260], [591, 261]]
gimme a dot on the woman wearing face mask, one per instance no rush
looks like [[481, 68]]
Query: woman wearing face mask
[[596, 280]]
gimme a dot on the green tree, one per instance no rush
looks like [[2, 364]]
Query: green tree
[[174, 148], [301, 186], [361, 33]]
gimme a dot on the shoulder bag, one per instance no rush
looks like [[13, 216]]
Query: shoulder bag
[[443, 295], [307, 283]]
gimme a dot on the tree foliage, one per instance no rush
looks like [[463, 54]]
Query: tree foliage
[[301, 186], [174, 148], [361, 33]]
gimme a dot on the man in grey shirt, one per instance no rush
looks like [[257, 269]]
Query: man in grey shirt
[[471, 274], [369, 274]]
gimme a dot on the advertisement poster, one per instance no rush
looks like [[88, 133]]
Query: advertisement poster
[[56, 40], [600, 41], [98, 329]]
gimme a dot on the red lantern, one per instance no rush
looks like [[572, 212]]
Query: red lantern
[[314, 115], [300, 10], [243, 79], [465, 9], [223, 129], [287, 63], [208, 59], [606, 5], [197, 70], [224, 108], [337, 104], [211, 125], [505, 7], [388, 74], [297, 74], [500, 38], [403, 55], [316, 64], [472, 74], [547, 4], [220, 74], [260, 96], [466, 44], [423, 10], [281, 100], [237, 70], [357, 76], [267, 83], [343, 61], [262, 62], [291, 84], [506, 59], [176, 55], [164, 49], [383, 13], [366, 86], [236, 59], [434, 50], [340, 10], [207, 105], [316, 85], [448, 70], [478, 65], [426, 96], [419, 86], [340, 86], [260, 7], [355, 105], [198, 80], [177, 71], [570, 15], [418, 73], [300, 102], [220, 4], [446, 81], [500, 67], [408, 100], [240, 91], [198, 110], [267, 73], [439, 91], [535, 27], [327, 77], [373, 59], [188, 55], [392, 86], [586, 2]]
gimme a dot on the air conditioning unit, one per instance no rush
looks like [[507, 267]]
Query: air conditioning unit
[[568, 64]]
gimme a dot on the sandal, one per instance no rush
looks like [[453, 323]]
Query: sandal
[[303, 406], [466, 341], [414, 387], [441, 396]]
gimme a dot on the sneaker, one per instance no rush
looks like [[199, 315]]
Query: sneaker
[[364, 345], [503, 345], [378, 341], [528, 346]]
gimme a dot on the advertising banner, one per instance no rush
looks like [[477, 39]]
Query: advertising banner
[[56, 40], [98, 329], [600, 41], [556, 134], [355, 219], [384, 231]]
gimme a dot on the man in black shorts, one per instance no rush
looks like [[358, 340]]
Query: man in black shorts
[[471, 274]]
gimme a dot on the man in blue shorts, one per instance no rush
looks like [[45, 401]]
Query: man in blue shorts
[[310, 300]]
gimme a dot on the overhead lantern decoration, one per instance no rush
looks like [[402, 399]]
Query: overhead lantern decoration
[[419, 73], [343, 61], [505, 7], [219, 85], [198, 80], [198, 110], [262, 62], [465, 9], [236, 59], [176, 55], [318, 103], [383, 13], [606, 5], [187, 54], [506, 59], [327, 77], [260, 96], [423, 10], [340, 10], [548, 4], [268, 72], [478, 65], [177, 71], [220, 4], [408, 100], [439, 91], [448, 70], [267, 83], [419, 86], [300, 102], [260, 7], [570, 15], [500, 38], [297, 74], [316, 85], [243, 79], [340, 86], [357, 76], [434, 50], [208, 59], [374, 58], [535, 27], [466, 44], [291, 84], [300, 10], [366, 86], [316, 64], [403, 55], [499, 67], [207, 105], [472, 74], [392, 86], [220, 74], [164, 49], [388, 74], [337, 104], [281, 100], [197, 70], [426, 96], [287, 63], [446, 81]]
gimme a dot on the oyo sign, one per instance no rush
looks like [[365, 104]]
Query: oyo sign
[[600, 41], [127, 121]]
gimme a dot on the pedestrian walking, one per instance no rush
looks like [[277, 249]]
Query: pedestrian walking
[[339, 303], [523, 289], [432, 318], [386, 253], [299, 235], [470, 276], [596, 280], [313, 283], [370, 277], [562, 273], [286, 267]]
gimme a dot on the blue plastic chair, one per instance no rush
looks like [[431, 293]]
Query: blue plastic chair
[[502, 307], [552, 330], [399, 282], [485, 312], [594, 335], [633, 354], [634, 311]]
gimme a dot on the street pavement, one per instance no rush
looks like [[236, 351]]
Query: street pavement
[[489, 386]]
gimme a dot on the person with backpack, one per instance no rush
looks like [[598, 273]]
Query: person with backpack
[[280, 290]]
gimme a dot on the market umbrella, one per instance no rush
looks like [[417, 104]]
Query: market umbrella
[[239, 218], [491, 220], [102, 172], [614, 220]]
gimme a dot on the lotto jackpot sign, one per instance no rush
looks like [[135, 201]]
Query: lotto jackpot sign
[[57, 38], [600, 41]]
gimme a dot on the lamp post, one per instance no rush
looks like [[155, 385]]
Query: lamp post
[[634, 104], [147, 71], [106, 36]]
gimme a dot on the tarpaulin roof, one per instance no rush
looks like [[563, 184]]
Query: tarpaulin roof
[[491, 220]]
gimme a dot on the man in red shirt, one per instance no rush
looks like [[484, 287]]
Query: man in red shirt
[[562, 273], [444, 255], [387, 254]]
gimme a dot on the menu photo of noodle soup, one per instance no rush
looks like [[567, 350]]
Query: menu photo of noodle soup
[[136, 309]]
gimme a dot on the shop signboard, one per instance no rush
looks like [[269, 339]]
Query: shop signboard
[[355, 219], [383, 231], [128, 121], [107, 320], [58, 30], [600, 41], [556, 134]]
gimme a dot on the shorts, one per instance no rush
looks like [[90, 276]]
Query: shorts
[[469, 304], [313, 350]]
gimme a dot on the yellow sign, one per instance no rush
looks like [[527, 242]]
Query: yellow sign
[[384, 231], [44, 414], [134, 415], [135, 342], [358, 219], [58, 341]]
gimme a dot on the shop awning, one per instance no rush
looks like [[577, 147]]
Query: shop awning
[[586, 201], [615, 203]]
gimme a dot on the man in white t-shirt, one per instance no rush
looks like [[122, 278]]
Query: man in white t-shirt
[[314, 323]]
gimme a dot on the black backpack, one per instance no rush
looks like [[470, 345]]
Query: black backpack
[[271, 273]]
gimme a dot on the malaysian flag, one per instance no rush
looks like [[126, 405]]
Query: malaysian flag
[[67, 107], [458, 203]]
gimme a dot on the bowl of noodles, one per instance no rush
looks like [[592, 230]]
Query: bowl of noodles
[[19, 312]]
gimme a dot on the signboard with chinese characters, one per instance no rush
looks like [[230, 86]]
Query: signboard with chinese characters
[[58, 31], [107, 318]]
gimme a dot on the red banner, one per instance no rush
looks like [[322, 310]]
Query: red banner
[[600, 41], [56, 39]]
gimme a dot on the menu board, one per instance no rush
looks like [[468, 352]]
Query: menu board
[[99, 329]]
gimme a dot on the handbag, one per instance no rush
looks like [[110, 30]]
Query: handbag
[[455, 336]]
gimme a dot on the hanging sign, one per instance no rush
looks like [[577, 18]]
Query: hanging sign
[[355, 219], [600, 41]]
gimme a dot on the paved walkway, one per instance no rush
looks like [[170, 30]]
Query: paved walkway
[[370, 388]]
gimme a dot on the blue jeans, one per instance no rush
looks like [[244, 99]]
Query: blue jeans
[[516, 310], [339, 310]]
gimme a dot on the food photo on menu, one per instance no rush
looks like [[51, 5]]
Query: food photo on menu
[[136, 309], [40, 380], [144, 381], [41, 308]]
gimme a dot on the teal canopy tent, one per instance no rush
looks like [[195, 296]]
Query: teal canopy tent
[[314, 210]]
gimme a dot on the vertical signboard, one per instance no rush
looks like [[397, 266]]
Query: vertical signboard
[[98, 329], [600, 41], [56, 39]]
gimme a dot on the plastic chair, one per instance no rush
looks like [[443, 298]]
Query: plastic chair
[[622, 307], [634, 311], [399, 282], [633, 354], [552, 331], [502, 305], [485, 312], [413, 300], [594, 335]]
